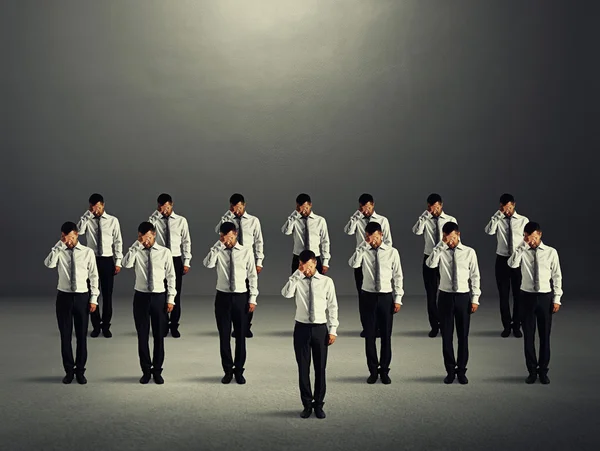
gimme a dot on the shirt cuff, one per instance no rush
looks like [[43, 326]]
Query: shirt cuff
[[94, 299], [187, 262], [118, 262], [259, 262], [60, 245], [171, 300], [326, 262], [252, 300], [556, 300], [398, 299], [475, 300], [333, 330]]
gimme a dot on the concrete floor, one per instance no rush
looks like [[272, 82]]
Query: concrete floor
[[194, 411]]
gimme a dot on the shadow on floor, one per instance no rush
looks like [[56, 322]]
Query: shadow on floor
[[43, 379], [207, 380], [280, 333], [351, 379], [209, 333], [426, 379], [485, 333], [412, 333], [507, 380], [283, 413], [124, 379]]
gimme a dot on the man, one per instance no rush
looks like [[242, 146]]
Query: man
[[249, 234], [309, 232], [234, 264], [103, 236], [380, 297], [459, 274], [315, 329], [356, 226], [430, 225], [76, 265], [508, 227], [153, 271], [172, 232], [541, 291]]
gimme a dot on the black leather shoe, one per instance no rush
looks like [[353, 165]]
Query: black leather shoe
[[531, 378], [362, 334], [227, 378], [372, 378], [79, 376], [107, 333], [145, 378], [158, 379], [462, 379], [505, 333], [449, 378], [175, 333], [319, 413], [544, 379], [95, 333], [239, 377], [306, 412], [68, 377], [385, 379], [433, 333], [517, 333], [249, 334]]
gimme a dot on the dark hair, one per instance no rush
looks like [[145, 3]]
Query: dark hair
[[146, 227], [373, 227], [365, 198], [302, 199], [532, 227], [506, 198], [95, 198], [227, 227], [433, 198], [450, 227], [236, 199], [306, 256], [69, 227], [164, 198]]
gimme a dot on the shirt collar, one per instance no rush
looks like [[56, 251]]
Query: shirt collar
[[382, 246], [78, 245], [375, 215], [317, 275], [541, 246]]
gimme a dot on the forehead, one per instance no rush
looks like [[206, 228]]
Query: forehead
[[168, 204], [148, 233], [435, 204], [305, 204], [239, 204], [97, 203], [71, 233], [448, 234]]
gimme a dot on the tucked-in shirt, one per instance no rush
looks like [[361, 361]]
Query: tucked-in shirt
[[549, 272], [425, 226], [318, 234], [85, 269], [251, 232], [498, 226], [325, 303], [244, 268], [466, 265], [358, 223], [162, 269], [181, 242], [112, 241], [390, 269]]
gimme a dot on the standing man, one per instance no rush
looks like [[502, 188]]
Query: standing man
[[356, 226], [541, 290], [103, 236], [309, 232], [249, 233], [459, 274], [380, 297], [172, 232], [234, 264], [76, 265], [508, 227], [153, 271], [315, 329], [430, 225]]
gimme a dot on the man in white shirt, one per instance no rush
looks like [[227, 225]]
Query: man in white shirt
[[541, 291], [76, 265], [173, 232], [508, 227], [234, 264], [356, 226], [154, 271], [430, 225], [315, 329], [309, 232], [380, 297], [249, 234], [458, 297], [103, 236]]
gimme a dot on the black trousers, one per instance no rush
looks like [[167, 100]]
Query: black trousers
[[175, 315], [250, 314], [537, 308], [377, 313], [232, 308], [106, 273], [72, 310], [358, 278], [311, 340], [455, 308], [149, 310], [296, 264], [431, 279], [505, 276]]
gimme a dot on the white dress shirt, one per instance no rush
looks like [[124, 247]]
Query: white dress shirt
[[251, 233], [498, 226], [85, 268], [325, 304], [318, 234], [358, 223], [390, 269], [244, 268], [466, 265], [112, 242], [162, 268], [425, 226], [181, 242], [550, 274]]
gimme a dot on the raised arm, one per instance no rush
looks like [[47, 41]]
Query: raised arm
[[210, 261], [186, 244], [475, 278], [227, 217], [419, 226], [52, 259], [129, 259], [350, 228], [93, 277], [325, 245], [515, 259], [154, 217], [556, 277], [117, 243], [358, 255], [397, 278], [289, 289], [332, 309], [288, 226], [492, 226], [258, 244], [84, 221], [170, 276], [387, 232], [252, 278], [433, 260]]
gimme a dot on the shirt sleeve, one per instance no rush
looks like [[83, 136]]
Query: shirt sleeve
[[332, 309]]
